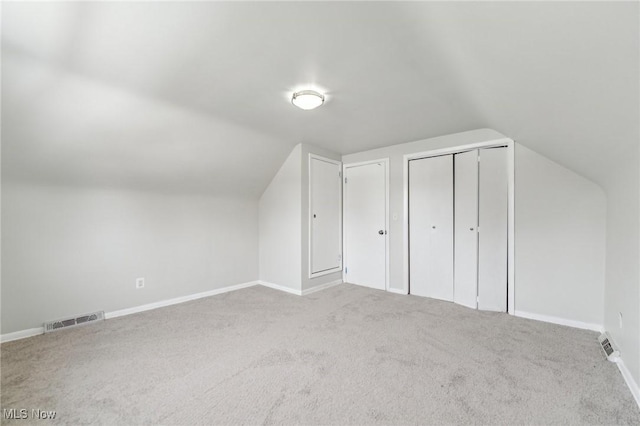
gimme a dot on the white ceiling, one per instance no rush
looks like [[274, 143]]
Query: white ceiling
[[195, 96]]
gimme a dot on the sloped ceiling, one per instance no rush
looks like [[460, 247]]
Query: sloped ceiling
[[195, 96]]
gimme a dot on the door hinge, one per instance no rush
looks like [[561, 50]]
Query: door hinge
[[477, 299], [345, 180], [340, 174], [478, 158], [346, 270]]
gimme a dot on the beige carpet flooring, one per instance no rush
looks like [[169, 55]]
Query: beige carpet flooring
[[345, 355]]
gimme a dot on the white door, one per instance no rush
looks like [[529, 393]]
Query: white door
[[431, 227], [365, 225], [465, 287], [326, 213], [492, 243]]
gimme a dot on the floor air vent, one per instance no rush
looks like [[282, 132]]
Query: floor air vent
[[73, 322], [609, 349]]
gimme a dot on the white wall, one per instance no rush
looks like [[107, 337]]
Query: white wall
[[280, 225], [622, 291], [307, 282], [395, 154], [69, 251], [284, 224], [560, 241]]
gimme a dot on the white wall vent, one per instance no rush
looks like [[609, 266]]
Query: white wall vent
[[612, 353], [73, 322]]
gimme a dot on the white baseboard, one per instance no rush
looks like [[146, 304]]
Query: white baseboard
[[114, 314], [397, 291], [560, 321], [280, 287], [321, 287], [23, 334], [300, 292], [169, 302], [633, 386]]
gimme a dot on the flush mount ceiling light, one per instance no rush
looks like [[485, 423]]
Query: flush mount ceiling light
[[307, 99]]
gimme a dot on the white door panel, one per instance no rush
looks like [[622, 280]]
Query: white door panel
[[492, 243], [365, 216], [431, 227], [326, 193], [465, 288]]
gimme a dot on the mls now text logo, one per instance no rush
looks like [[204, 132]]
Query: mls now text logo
[[23, 414]]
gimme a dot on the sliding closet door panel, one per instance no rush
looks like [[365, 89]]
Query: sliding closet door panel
[[431, 227], [492, 244], [465, 288], [326, 215]]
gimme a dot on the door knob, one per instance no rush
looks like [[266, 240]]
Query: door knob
[[381, 232], [470, 229]]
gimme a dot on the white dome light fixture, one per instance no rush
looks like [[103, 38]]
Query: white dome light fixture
[[307, 99]]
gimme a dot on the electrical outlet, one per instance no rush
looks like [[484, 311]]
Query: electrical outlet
[[139, 282], [620, 319]]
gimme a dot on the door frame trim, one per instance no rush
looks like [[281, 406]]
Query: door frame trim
[[385, 161], [310, 220], [509, 143]]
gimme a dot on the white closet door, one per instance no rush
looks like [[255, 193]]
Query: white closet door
[[365, 225], [465, 288], [326, 194], [431, 227], [492, 244]]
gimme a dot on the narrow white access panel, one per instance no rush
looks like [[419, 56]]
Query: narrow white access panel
[[365, 225], [325, 186], [492, 240], [465, 288], [431, 227]]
